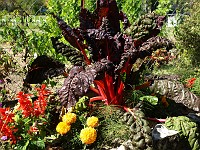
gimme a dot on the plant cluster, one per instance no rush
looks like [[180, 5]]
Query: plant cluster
[[111, 52], [103, 51], [68, 128], [26, 126], [11, 5]]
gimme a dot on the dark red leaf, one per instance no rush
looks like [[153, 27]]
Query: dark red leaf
[[109, 9], [42, 68], [73, 36], [86, 19], [73, 55], [79, 80], [146, 49]]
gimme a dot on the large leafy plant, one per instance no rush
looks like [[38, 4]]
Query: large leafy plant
[[101, 52]]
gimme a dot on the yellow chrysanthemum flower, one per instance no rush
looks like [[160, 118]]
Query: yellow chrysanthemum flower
[[92, 122], [88, 135], [69, 118], [62, 127]]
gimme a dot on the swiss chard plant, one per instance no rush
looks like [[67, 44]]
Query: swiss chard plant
[[102, 51]]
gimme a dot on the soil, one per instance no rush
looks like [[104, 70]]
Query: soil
[[11, 72], [13, 69]]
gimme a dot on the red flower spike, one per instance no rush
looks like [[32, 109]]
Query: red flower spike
[[42, 91], [6, 115], [5, 130], [40, 107], [25, 104], [33, 129], [21, 95], [40, 104]]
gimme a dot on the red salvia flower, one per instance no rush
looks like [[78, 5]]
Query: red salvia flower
[[6, 115], [190, 82], [33, 128], [42, 91], [40, 106], [25, 104], [41, 103], [5, 130]]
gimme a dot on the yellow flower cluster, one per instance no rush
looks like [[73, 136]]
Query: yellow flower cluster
[[92, 122], [69, 118], [64, 126], [88, 135]]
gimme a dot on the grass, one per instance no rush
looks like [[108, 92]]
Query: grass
[[180, 66], [112, 128], [184, 70]]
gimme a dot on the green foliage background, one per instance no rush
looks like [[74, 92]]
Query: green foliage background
[[35, 39], [188, 33]]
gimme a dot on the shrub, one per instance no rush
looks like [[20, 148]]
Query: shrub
[[188, 33]]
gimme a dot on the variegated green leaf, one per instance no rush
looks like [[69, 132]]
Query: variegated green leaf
[[176, 91]]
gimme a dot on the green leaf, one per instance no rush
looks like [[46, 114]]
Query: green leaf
[[151, 99], [43, 119], [123, 76], [26, 145], [39, 143], [17, 118], [51, 137], [27, 121]]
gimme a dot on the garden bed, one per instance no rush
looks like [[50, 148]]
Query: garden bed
[[110, 96]]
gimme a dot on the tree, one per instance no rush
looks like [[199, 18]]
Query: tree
[[30, 6]]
